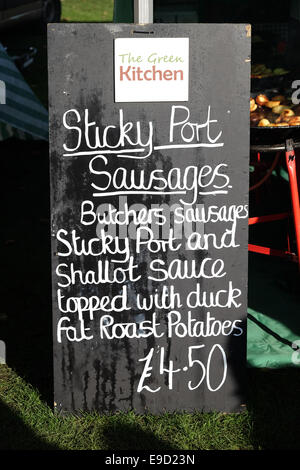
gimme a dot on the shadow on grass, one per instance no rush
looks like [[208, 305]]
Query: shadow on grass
[[124, 436], [273, 402], [25, 318], [15, 435]]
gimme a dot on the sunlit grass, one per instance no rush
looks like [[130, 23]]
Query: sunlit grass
[[29, 423], [87, 10], [271, 422]]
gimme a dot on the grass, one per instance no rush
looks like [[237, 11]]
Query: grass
[[28, 423], [271, 421], [87, 10]]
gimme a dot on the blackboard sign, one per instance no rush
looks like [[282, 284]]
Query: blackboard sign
[[149, 215]]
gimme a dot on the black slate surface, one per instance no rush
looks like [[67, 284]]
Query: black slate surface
[[106, 374]]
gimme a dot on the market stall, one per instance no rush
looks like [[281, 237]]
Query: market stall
[[274, 224]]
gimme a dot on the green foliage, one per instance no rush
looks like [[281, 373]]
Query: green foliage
[[87, 10]]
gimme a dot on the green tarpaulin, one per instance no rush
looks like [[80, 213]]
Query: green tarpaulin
[[273, 312]]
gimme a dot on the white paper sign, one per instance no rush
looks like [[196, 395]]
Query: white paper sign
[[151, 69]]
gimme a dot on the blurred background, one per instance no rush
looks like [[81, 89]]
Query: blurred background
[[23, 26]]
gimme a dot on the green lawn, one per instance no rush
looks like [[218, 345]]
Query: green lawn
[[87, 10], [270, 423], [28, 423]]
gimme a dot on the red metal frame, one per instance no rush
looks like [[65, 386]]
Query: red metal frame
[[264, 250], [291, 166], [290, 158], [268, 218]]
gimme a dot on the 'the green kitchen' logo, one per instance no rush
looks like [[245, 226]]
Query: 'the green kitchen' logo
[[151, 69], [130, 68]]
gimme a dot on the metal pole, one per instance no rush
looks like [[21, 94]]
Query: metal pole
[[143, 11], [2, 92]]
